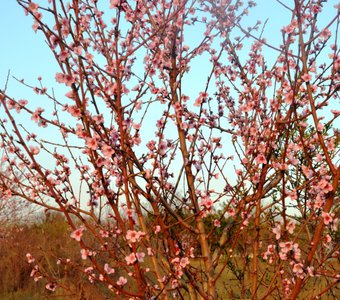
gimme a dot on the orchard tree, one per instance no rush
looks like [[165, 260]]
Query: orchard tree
[[191, 157]]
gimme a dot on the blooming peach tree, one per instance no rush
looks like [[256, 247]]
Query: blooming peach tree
[[191, 157]]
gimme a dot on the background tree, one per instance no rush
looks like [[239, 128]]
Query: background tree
[[256, 140]]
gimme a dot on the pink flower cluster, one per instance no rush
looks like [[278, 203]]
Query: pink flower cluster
[[64, 78], [77, 234], [133, 236], [179, 265]]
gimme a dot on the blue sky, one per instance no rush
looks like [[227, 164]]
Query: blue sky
[[22, 51], [26, 54]]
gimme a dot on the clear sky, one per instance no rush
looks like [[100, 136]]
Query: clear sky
[[27, 56], [25, 53], [22, 51]]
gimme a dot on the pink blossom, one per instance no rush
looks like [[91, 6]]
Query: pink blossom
[[69, 80], [60, 77], [298, 269], [198, 101], [175, 260], [108, 270], [310, 271], [260, 159], [78, 50], [162, 148], [207, 203], [296, 252], [64, 78], [38, 15], [174, 283], [77, 234], [134, 236], [269, 253], [289, 98], [147, 173], [114, 3], [91, 143], [277, 231], [88, 270], [325, 34], [319, 127], [231, 212], [140, 256], [89, 57], [51, 286], [316, 9], [217, 223], [319, 202], [84, 254], [288, 29], [307, 172], [35, 273], [184, 262], [202, 96], [150, 251], [6, 194], [34, 150], [74, 111], [108, 151], [325, 186], [138, 105], [327, 218], [285, 248], [35, 26], [157, 229], [30, 258], [327, 238], [33, 7], [290, 226], [306, 77], [63, 55], [70, 95], [131, 258], [23, 102], [129, 212], [136, 126], [104, 233], [121, 281]]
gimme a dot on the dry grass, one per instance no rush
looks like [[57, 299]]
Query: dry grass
[[49, 240]]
